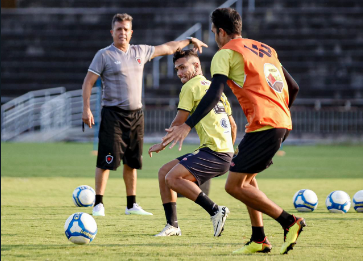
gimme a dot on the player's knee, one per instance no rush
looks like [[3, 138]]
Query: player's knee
[[229, 188], [170, 181], [162, 172]]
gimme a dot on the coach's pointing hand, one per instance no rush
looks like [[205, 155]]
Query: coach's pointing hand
[[198, 44], [87, 118], [176, 134]]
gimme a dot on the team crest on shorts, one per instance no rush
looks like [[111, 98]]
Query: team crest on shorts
[[138, 60], [109, 159], [273, 77]]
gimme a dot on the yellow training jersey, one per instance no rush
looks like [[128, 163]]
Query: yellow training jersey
[[214, 130]]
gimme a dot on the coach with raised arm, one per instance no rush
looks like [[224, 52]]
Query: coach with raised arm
[[121, 66]]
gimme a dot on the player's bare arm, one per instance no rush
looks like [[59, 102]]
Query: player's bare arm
[[89, 81], [233, 128], [292, 86], [171, 47], [179, 119]]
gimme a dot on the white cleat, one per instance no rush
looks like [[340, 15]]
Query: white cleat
[[137, 210], [98, 210], [168, 231], [219, 219]]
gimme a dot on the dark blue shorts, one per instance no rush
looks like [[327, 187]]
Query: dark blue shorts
[[205, 164]]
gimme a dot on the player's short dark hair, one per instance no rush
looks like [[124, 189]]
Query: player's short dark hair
[[184, 53], [228, 19], [121, 18]]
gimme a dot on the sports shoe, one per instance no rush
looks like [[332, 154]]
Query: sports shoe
[[219, 219], [137, 210], [98, 210], [291, 234], [255, 247], [168, 231]]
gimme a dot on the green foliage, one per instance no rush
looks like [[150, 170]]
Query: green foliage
[[38, 180]]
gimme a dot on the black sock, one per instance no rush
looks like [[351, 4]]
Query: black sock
[[130, 201], [285, 219], [207, 203], [170, 213], [99, 199], [258, 234]]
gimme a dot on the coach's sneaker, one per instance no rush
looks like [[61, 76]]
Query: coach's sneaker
[[219, 219], [255, 247], [98, 210], [137, 210], [291, 234], [168, 231]]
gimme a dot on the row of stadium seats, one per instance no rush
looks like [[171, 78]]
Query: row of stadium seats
[[319, 42]]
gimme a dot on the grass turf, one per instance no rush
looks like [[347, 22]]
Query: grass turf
[[38, 180]]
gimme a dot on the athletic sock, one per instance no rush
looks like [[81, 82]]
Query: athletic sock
[[285, 219], [258, 234], [130, 201], [207, 203], [99, 199], [170, 213]]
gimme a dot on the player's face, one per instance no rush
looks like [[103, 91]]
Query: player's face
[[185, 69], [218, 36], [121, 33]]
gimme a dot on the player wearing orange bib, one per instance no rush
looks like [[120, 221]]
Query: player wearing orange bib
[[265, 91]]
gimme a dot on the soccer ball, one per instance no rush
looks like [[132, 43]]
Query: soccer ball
[[338, 202], [84, 196], [305, 200], [80, 228], [358, 201]]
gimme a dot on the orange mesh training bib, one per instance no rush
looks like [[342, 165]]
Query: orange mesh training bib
[[264, 97]]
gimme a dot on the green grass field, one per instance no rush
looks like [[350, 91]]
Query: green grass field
[[37, 181]]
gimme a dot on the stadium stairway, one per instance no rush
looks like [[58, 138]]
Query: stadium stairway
[[47, 43]]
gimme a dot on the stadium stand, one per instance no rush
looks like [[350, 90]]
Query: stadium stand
[[49, 43]]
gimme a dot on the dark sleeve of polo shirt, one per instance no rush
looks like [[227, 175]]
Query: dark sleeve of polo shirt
[[98, 64]]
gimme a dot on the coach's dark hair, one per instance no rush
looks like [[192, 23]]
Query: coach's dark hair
[[120, 18], [184, 53], [228, 19]]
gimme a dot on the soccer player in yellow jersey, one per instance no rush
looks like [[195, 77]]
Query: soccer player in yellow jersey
[[217, 133], [265, 91]]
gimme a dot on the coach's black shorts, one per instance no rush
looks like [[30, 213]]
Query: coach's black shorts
[[256, 150], [120, 138], [205, 164]]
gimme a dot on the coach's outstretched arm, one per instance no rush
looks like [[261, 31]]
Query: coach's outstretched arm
[[88, 83], [207, 103], [171, 47]]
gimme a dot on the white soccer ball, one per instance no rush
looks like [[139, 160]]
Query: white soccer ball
[[84, 196], [305, 200], [80, 228], [338, 202], [358, 201]]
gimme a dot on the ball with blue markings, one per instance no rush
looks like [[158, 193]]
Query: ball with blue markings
[[358, 201], [338, 202], [305, 200], [84, 196], [80, 228]]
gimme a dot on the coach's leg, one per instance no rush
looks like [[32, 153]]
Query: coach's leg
[[130, 179], [101, 177]]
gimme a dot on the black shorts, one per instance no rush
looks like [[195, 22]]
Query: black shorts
[[256, 150], [120, 138], [205, 164]]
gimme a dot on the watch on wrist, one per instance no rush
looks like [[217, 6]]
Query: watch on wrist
[[190, 39]]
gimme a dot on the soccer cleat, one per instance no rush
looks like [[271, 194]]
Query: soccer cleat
[[98, 210], [219, 219], [137, 210], [168, 231], [291, 234], [255, 247]]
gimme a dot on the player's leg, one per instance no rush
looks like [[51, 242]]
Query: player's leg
[[168, 198], [255, 154], [195, 169]]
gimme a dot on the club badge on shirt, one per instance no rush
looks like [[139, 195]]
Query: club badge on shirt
[[138, 60]]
